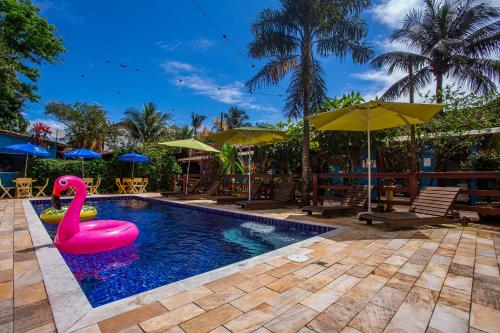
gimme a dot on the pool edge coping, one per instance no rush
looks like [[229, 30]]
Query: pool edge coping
[[72, 310]]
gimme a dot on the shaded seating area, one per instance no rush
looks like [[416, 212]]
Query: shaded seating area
[[208, 190], [432, 206], [281, 198], [192, 188], [354, 201], [231, 199]]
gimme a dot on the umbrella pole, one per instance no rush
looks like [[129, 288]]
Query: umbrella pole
[[369, 165], [187, 174], [249, 173], [26, 166]]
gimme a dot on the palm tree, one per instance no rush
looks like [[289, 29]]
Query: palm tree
[[196, 122], [147, 125], [292, 38], [450, 38], [236, 117]]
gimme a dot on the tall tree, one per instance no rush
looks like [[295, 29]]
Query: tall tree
[[196, 122], [236, 117], [146, 125], [87, 124], [26, 42], [449, 38], [293, 37]]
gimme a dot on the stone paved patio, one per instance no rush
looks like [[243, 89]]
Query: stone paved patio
[[366, 279]]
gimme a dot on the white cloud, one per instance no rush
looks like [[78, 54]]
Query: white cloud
[[380, 81], [393, 12], [190, 77], [199, 44]]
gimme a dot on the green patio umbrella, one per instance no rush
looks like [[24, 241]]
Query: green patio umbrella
[[190, 144], [249, 136]]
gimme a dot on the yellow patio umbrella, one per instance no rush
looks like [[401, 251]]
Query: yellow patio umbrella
[[248, 136], [372, 116], [190, 144]]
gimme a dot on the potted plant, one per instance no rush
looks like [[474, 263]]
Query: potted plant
[[488, 211]]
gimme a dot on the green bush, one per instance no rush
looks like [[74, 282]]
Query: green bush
[[160, 170]]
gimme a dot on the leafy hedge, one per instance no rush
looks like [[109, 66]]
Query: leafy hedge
[[159, 170]]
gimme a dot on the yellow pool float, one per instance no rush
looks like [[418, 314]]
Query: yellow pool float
[[54, 216]]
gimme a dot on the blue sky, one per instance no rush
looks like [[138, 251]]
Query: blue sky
[[171, 40]]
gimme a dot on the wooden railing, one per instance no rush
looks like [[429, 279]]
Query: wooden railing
[[481, 185]]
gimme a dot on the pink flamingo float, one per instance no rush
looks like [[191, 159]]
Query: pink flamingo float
[[88, 237]]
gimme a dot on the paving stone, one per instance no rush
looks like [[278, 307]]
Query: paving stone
[[211, 319], [278, 262], [29, 294], [172, 318], [485, 318], [89, 329], [335, 270], [6, 290], [253, 299], [390, 298], [288, 299], [226, 282], [455, 298], [130, 318], [372, 319], [486, 297], [430, 281], [321, 299], [185, 297], [418, 260], [292, 320], [396, 260], [285, 283], [422, 298], [333, 319], [284, 270], [459, 282], [402, 281], [490, 270], [356, 298], [372, 282], [256, 282], [409, 319], [256, 270], [448, 319], [309, 270], [462, 270], [253, 319], [344, 283], [315, 283], [32, 316], [385, 270], [217, 299], [360, 271], [486, 282]]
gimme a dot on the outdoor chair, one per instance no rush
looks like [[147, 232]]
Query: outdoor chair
[[191, 190], [136, 185], [40, 190], [231, 199], [121, 186], [95, 187], [353, 202], [89, 182], [281, 198], [432, 206], [211, 190], [6, 190], [145, 182], [24, 187]]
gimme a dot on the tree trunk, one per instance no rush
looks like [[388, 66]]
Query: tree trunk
[[439, 88], [306, 58], [413, 141]]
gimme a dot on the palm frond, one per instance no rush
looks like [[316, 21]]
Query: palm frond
[[272, 72]]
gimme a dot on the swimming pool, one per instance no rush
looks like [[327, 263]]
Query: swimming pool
[[175, 242]]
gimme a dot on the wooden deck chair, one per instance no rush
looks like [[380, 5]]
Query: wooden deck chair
[[281, 198], [353, 202], [89, 182], [210, 191], [433, 205], [231, 199], [40, 190], [136, 185], [6, 190], [121, 186], [95, 187], [145, 182], [24, 187]]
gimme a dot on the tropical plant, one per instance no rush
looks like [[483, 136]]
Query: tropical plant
[[292, 37], [87, 124], [447, 38], [40, 132], [26, 42], [236, 117], [146, 125], [229, 161], [196, 122]]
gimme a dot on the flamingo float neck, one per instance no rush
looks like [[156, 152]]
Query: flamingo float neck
[[70, 223]]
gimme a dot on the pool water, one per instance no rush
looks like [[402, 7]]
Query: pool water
[[174, 243]]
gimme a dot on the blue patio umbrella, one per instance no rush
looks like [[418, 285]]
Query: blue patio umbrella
[[133, 158], [82, 154], [27, 149]]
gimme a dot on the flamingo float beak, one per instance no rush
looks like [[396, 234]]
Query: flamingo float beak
[[56, 199]]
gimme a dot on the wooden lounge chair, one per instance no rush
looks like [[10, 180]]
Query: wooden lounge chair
[[145, 182], [354, 202], [281, 198], [231, 199], [432, 206], [6, 190], [40, 190], [95, 187], [121, 186], [174, 193], [211, 191]]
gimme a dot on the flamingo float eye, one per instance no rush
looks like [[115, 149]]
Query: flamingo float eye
[[63, 182]]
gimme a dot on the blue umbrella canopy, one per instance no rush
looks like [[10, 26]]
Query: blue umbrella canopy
[[27, 149], [82, 153], [133, 158]]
